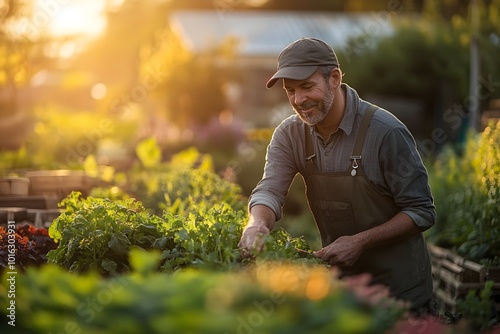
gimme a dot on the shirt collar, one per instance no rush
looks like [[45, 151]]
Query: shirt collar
[[351, 109]]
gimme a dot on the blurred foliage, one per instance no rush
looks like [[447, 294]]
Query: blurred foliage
[[182, 184], [113, 193], [466, 189], [148, 152], [63, 139], [191, 85], [20, 56], [419, 52], [435, 61], [271, 297], [478, 307], [427, 58]]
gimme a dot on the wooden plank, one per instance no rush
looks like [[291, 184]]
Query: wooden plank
[[451, 280], [493, 274], [437, 252], [461, 273], [465, 270], [454, 277], [476, 267]]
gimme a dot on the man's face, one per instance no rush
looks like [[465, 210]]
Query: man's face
[[312, 98]]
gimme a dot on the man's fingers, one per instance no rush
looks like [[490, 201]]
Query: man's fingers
[[252, 240], [324, 255]]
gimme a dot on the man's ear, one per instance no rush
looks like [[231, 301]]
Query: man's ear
[[336, 77]]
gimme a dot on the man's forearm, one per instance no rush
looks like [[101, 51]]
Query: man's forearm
[[261, 215], [399, 226], [346, 250]]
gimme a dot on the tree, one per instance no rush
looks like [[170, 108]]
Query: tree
[[428, 59], [14, 51], [21, 55]]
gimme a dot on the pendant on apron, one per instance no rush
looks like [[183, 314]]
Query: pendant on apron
[[354, 164]]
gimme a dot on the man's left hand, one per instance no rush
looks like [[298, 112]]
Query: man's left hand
[[343, 252]]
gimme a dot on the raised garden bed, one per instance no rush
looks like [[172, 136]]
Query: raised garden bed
[[454, 276]]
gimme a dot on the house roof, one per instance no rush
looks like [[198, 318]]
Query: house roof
[[266, 33]]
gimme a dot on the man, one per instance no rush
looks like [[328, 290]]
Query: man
[[366, 184]]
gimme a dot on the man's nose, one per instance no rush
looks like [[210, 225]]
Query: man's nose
[[300, 98]]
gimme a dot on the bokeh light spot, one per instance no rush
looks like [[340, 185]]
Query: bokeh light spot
[[98, 91]]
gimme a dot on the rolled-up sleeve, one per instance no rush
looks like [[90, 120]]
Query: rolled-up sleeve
[[279, 171], [406, 176]]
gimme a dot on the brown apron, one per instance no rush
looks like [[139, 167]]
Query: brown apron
[[345, 203]]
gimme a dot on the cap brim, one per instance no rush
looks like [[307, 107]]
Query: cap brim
[[294, 73]]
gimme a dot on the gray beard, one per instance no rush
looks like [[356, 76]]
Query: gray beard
[[324, 108]]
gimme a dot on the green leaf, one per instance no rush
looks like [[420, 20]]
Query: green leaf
[[119, 243], [181, 235], [109, 265], [187, 158], [143, 261], [160, 243], [148, 152], [90, 165]]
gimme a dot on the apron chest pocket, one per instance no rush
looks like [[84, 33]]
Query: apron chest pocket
[[338, 218]]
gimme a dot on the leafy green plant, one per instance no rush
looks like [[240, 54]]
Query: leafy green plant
[[466, 190], [97, 234], [203, 239], [478, 308]]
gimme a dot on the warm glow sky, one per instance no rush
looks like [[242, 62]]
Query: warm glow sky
[[70, 17]]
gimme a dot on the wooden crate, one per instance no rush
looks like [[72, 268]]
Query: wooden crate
[[455, 276], [59, 183], [14, 186]]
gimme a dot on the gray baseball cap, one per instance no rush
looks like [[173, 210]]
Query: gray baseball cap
[[300, 59]]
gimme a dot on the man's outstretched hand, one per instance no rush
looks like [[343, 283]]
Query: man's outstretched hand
[[252, 239]]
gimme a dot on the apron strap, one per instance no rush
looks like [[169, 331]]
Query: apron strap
[[365, 122], [310, 154], [360, 138]]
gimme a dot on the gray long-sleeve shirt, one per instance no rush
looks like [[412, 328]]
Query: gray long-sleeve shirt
[[389, 159]]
